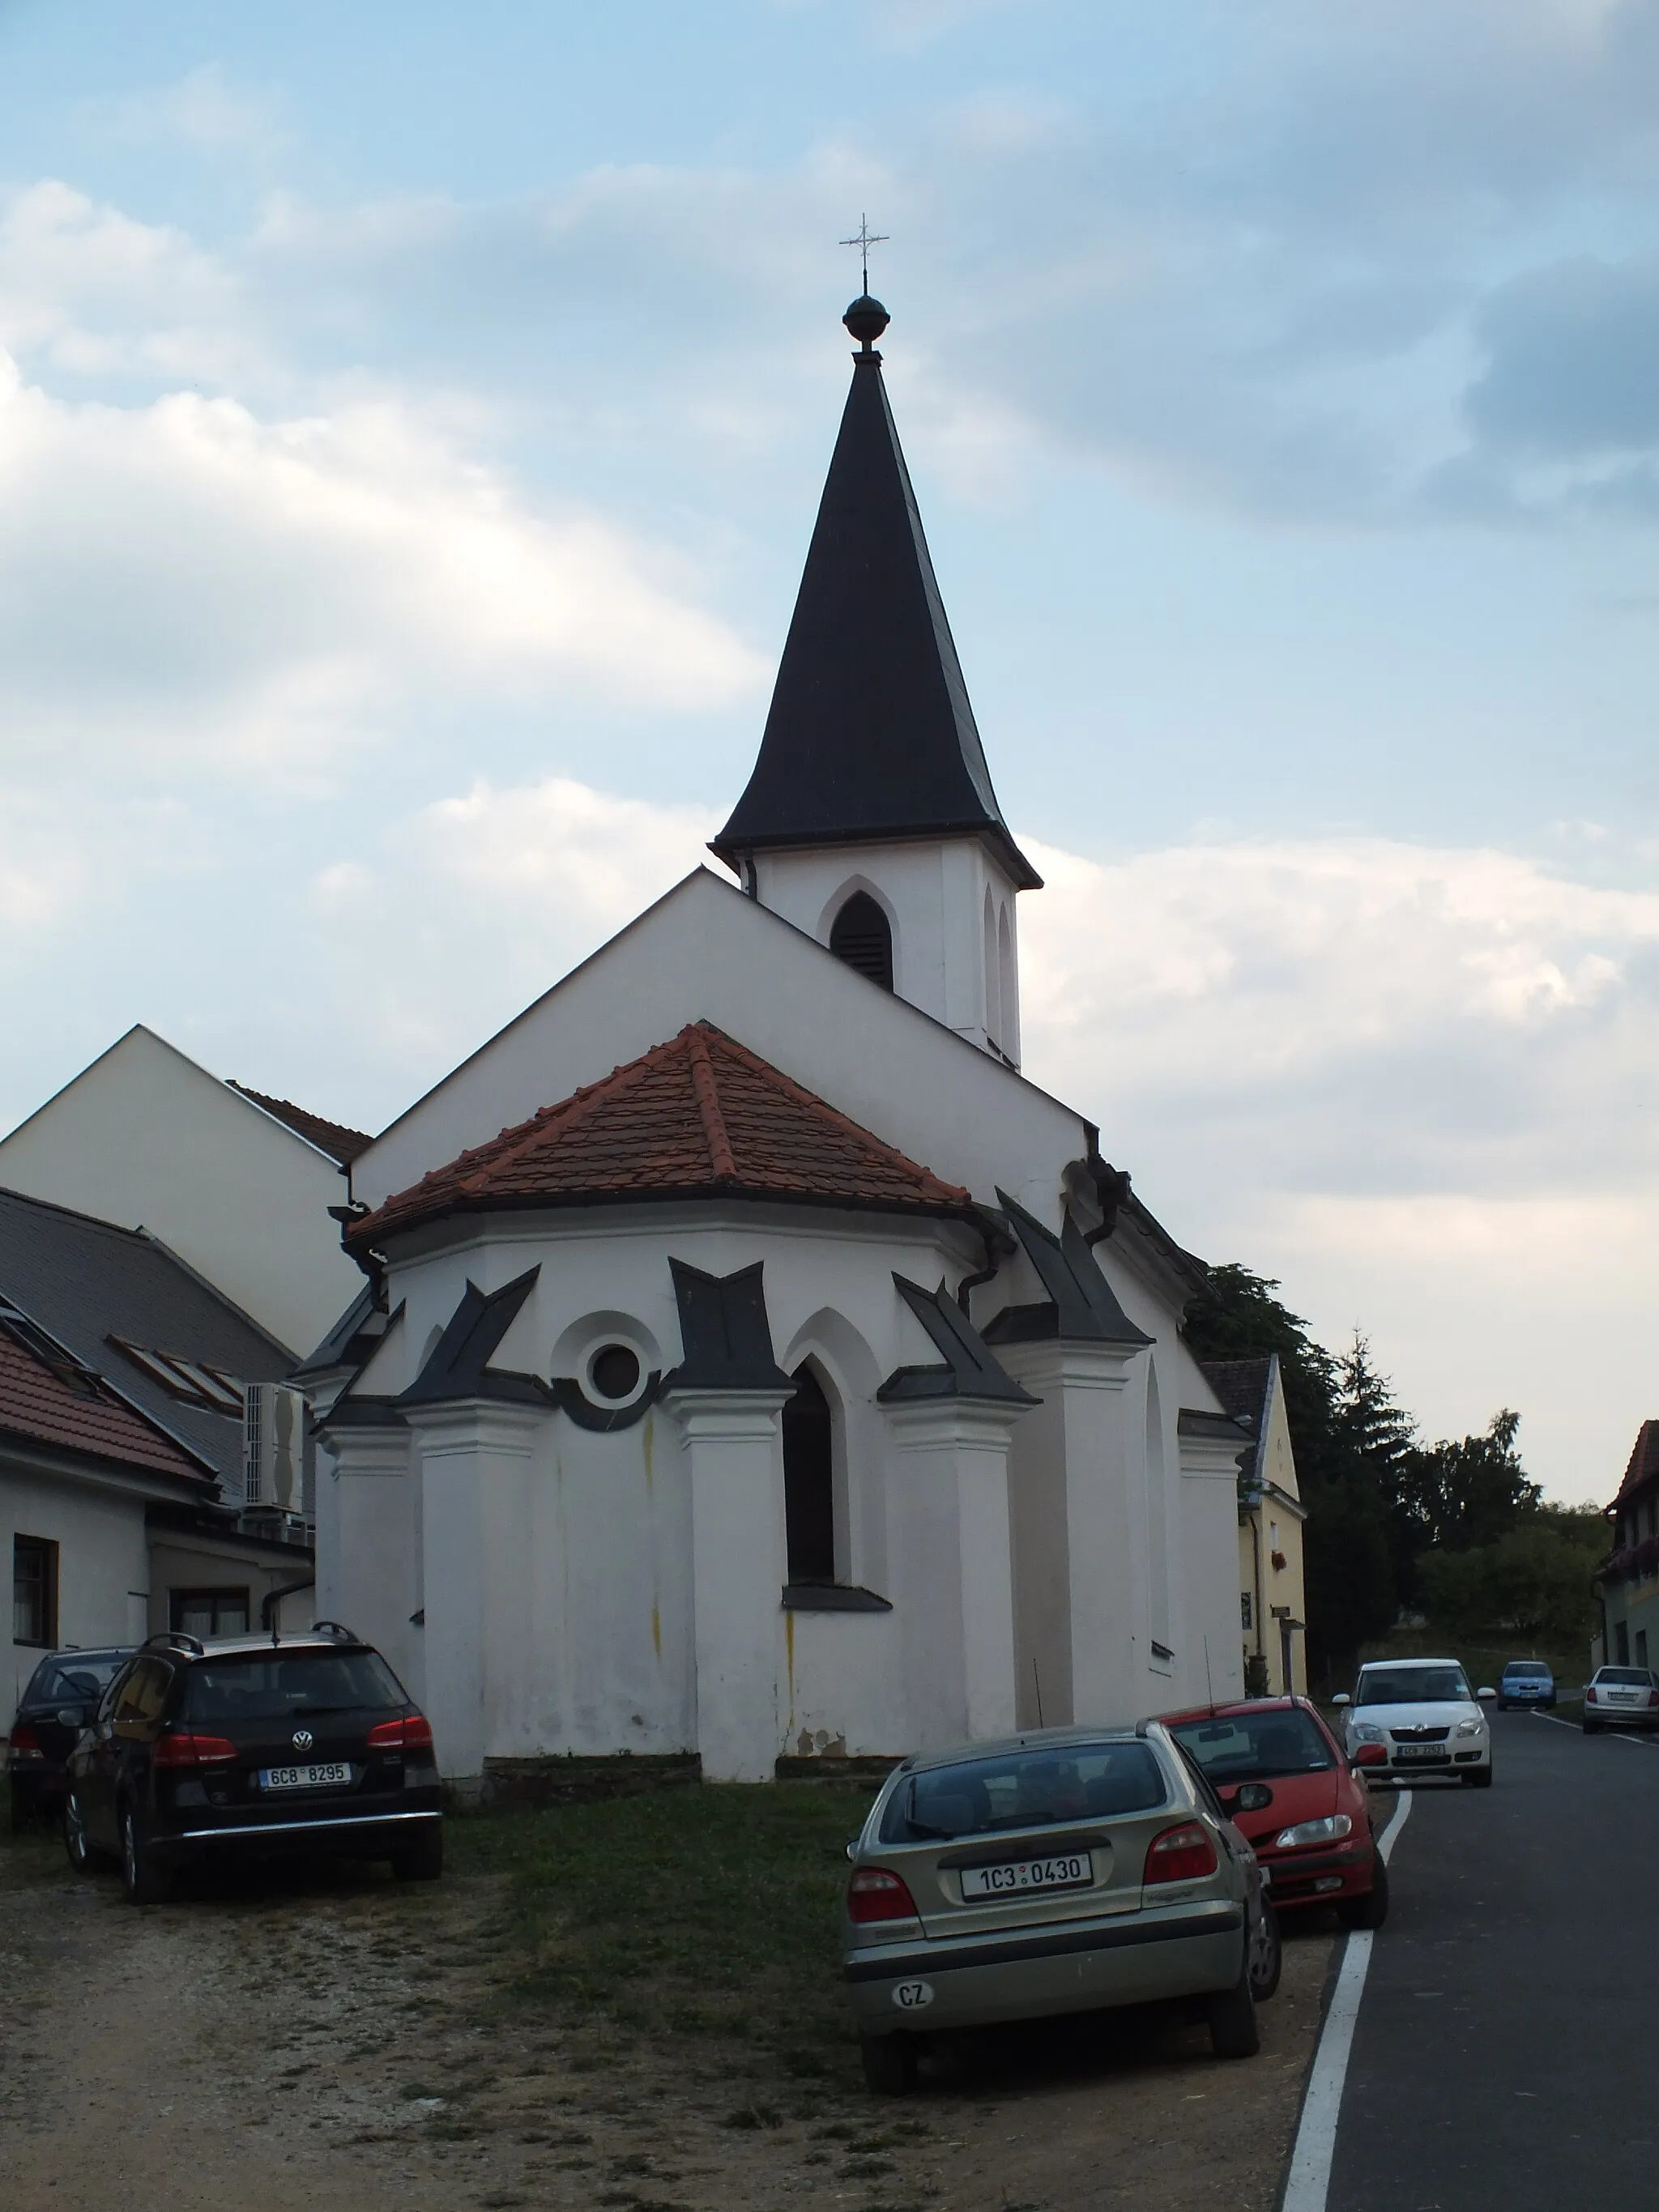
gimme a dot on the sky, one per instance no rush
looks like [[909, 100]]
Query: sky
[[411, 422]]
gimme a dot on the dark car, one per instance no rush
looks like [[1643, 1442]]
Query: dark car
[[57, 1704], [247, 1746], [1526, 1682], [1285, 1781]]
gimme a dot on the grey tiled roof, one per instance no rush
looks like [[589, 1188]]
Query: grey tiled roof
[[85, 1280], [1241, 1385]]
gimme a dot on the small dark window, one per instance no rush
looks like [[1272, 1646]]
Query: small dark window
[[861, 937], [209, 1611], [809, 1481], [615, 1372], [34, 1590]]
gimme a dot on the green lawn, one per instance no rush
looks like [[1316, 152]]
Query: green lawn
[[711, 1911]]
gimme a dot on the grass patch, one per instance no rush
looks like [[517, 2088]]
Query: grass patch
[[643, 1914], [28, 1855]]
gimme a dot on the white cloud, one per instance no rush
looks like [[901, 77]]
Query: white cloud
[[203, 109], [184, 581]]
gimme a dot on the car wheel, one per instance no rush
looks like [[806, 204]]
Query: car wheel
[[421, 1861], [1372, 1910], [1479, 1777], [890, 2063], [1266, 1954], [144, 1881], [1235, 2031], [76, 1842]]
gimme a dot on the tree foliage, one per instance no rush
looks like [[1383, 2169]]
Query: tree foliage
[[1457, 1528]]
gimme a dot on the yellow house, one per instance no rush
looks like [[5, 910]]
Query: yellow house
[[1272, 1600]]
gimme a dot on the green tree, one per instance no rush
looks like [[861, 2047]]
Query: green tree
[[1458, 1495]]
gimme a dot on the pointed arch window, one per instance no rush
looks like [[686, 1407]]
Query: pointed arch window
[[862, 936], [808, 1480]]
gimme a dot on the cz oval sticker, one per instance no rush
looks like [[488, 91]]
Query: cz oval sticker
[[910, 1996]]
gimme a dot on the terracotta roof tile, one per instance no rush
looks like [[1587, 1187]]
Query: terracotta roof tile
[[1643, 1469], [333, 1138], [696, 1117], [57, 1402]]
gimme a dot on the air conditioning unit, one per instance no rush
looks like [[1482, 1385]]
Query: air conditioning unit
[[273, 1446]]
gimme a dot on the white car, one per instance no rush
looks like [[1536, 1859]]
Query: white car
[[1621, 1698], [1411, 1716]]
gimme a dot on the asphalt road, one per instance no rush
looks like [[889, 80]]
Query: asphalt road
[[1503, 2055]]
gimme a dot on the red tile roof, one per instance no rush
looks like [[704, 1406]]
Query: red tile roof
[[700, 1116], [1643, 1469], [331, 1137], [51, 1401]]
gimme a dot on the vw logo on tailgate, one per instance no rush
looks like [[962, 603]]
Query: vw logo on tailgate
[[303, 1739]]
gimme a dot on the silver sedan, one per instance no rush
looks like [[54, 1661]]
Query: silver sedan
[[1060, 1871]]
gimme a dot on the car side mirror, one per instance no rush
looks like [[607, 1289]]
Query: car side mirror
[[1341, 1698], [1253, 1797], [1485, 1693], [73, 1716]]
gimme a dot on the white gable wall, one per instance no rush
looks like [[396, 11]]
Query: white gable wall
[[146, 1139], [707, 952]]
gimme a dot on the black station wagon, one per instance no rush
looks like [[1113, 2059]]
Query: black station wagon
[[249, 1745]]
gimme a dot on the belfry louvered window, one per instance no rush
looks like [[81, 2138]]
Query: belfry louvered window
[[860, 935]]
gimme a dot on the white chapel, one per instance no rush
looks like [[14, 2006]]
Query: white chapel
[[752, 1362]]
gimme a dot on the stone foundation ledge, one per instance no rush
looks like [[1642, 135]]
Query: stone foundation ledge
[[581, 1781], [870, 1770]]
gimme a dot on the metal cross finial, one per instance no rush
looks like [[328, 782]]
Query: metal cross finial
[[864, 241]]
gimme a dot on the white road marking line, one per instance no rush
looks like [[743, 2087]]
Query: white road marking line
[[1310, 2179], [1619, 1736]]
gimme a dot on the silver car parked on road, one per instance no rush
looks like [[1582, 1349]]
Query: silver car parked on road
[[1059, 1871]]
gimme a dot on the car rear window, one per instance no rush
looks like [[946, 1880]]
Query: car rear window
[[280, 1687], [1637, 1676], [1411, 1685], [1024, 1790], [1528, 1670], [1251, 1747], [73, 1681]]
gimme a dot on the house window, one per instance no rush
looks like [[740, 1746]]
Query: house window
[[33, 1591], [809, 1481], [1246, 1609], [209, 1611], [1621, 1643], [1641, 1647], [861, 936]]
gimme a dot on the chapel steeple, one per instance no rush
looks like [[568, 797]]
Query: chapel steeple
[[871, 754]]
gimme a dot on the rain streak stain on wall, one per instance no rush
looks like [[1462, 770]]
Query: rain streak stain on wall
[[789, 1652]]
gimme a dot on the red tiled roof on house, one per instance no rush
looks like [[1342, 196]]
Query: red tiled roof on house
[[48, 1400], [700, 1117], [333, 1138], [1644, 1469]]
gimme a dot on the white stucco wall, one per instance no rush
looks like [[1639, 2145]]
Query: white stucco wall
[[146, 1139], [103, 1566], [935, 895], [588, 1582], [705, 951]]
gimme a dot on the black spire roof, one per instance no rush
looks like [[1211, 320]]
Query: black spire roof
[[869, 732]]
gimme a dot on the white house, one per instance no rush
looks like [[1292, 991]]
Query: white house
[[756, 1363], [237, 1184]]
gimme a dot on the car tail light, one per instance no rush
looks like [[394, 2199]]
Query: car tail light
[[1179, 1854], [1589, 1694], [873, 1894], [1371, 1754], [185, 1749], [24, 1744], [1653, 1697], [412, 1733]]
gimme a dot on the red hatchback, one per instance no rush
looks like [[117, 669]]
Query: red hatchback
[[1283, 1780]]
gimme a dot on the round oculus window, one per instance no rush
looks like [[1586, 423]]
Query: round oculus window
[[614, 1372]]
